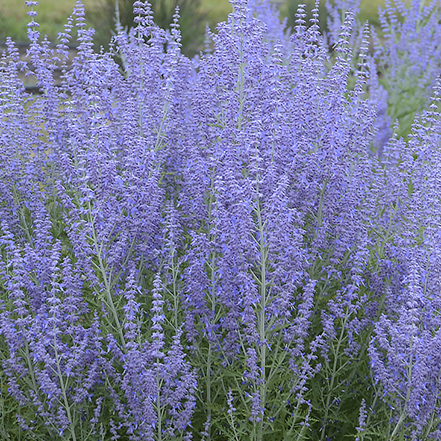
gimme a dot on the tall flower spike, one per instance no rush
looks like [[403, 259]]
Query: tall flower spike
[[131, 308], [180, 385], [175, 26], [36, 50], [432, 116], [314, 39], [85, 36], [336, 10], [33, 33], [65, 37], [143, 19], [314, 30], [300, 20], [240, 8], [343, 45], [157, 319], [362, 72], [118, 25], [340, 71], [208, 41], [299, 38]]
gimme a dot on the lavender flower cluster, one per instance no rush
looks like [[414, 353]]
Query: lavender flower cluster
[[238, 246]]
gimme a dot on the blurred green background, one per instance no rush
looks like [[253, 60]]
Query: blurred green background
[[368, 10], [195, 15], [100, 14]]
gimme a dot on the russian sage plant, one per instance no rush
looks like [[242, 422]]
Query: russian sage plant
[[238, 246]]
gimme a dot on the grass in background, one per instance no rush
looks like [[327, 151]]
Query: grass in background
[[217, 10], [13, 18], [52, 17], [368, 11]]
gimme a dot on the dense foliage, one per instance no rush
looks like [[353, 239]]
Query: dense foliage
[[238, 246]]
